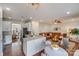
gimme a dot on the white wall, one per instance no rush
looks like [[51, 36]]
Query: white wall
[[62, 27], [37, 27]]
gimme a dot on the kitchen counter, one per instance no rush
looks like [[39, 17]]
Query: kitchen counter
[[32, 38], [33, 45]]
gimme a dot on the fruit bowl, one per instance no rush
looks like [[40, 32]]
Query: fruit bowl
[[55, 47]]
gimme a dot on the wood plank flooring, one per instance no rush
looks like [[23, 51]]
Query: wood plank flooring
[[13, 49]]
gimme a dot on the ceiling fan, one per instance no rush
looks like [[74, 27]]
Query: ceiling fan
[[56, 21]]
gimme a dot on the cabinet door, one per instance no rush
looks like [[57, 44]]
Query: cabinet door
[[1, 46], [6, 26]]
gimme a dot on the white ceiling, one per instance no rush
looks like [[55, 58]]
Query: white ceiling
[[45, 11]]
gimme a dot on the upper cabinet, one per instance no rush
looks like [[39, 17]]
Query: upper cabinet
[[7, 25], [27, 25]]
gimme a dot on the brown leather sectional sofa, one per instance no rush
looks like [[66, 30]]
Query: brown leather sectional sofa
[[50, 35]]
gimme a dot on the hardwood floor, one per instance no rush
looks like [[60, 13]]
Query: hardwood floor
[[13, 49]]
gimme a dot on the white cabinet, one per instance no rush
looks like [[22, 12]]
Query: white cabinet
[[6, 26], [27, 25], [32, 45], [7, 35], [1, 46]]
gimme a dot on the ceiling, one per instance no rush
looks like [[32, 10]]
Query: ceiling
[[45, 11]]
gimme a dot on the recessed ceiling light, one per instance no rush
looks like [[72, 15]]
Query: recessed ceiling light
[[68, 12], [8, 9]]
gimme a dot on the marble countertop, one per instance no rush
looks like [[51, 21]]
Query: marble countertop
[[33, 45], [33, 38]]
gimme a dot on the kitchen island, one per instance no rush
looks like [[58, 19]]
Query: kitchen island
[[33, 45]]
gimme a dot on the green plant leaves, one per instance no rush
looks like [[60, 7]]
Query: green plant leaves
[[75, 31]]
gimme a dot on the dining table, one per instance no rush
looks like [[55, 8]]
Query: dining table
[[49, 51]]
